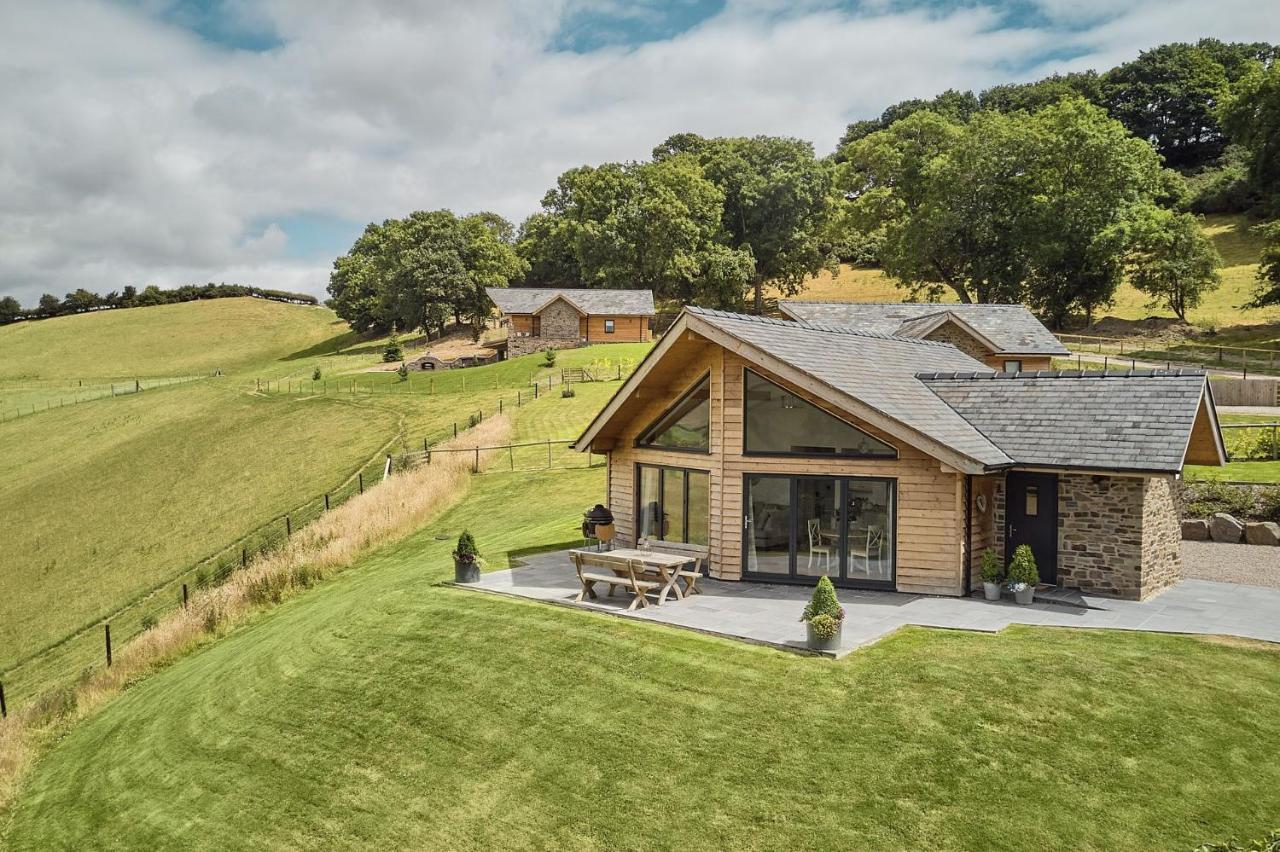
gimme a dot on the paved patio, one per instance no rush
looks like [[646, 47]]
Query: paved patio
[[768, 614]]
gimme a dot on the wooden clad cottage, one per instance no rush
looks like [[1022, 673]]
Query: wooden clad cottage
[[1007, 338], [793, 450], [539, 318]]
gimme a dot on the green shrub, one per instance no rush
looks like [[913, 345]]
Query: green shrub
[[549, 357], [212, 618], [824, 626], [1270, 843], [1203, 498], [315, 375], [466, 549], [991, 567], [474, 420], [394, 351], [567, 391], [304, 576], [823, 602], [403, 371], [1022, 568], [148, 621], [1268, 502]]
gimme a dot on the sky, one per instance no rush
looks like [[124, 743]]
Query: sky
[[182, 141]]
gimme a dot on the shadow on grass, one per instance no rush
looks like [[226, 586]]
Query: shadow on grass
[[336, 345]]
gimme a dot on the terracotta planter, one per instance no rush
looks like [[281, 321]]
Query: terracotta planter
[[1026, 596], [991, 591], [466, 571], [817, 643]]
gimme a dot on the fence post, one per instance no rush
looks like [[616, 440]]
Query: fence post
[[511, 454], [1105, 359], [1244, 363], [476, 467], [517, 399], [288, 526], [4, 711], [548, 453], [535, 390], [244, 557], [326, 502], [361, 475], [185, 597], [426, 448], [455, 428], [499, 405], [1077, 360], [1273, 442], [1219, 354], [107, 633]]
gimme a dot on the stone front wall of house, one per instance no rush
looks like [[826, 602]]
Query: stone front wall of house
[[517, 346], [1119, 536], [948, 333], [1161, 536], [559, 319]]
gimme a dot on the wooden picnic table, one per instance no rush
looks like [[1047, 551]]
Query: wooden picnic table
[[665, 565]]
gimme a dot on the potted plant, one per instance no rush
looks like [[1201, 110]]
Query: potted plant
[[991, 571], [824, 617], [1023, 574], [466, 560]]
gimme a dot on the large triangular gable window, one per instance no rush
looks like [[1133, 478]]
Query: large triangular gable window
[[780, 423], [685, 425]]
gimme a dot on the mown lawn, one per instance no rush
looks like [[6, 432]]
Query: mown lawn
[[382, 710]]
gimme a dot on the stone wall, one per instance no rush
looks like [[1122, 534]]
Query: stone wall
[[517, 346], [560, 320], [1118, 536], [1161, 536], [949, 333]]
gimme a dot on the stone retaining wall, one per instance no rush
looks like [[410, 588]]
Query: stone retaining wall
[[517, 346]]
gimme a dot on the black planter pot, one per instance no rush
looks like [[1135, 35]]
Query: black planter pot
[[466, 571]]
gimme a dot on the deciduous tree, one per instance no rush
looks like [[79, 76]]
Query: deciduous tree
[[1170, 259]]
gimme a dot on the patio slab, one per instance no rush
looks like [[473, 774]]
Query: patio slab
[[768, 613]]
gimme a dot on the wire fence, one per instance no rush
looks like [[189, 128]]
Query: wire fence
[[430, 383], [46, 396], [66, 659], [1242, 359]]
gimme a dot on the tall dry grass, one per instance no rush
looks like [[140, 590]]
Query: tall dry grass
[[383, 514]]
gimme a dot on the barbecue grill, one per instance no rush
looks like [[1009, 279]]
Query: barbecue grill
[[597, 525]]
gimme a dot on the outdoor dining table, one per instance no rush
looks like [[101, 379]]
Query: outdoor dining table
[[665, 565]]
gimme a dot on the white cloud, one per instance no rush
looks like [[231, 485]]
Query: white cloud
[[133, 152]]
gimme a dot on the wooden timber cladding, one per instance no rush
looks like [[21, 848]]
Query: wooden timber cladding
[[930, 495], [626, 329]]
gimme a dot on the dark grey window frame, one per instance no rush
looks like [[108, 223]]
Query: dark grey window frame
[[662, 498], [608, 326], [666, 412], [779, 454], [794, 531]]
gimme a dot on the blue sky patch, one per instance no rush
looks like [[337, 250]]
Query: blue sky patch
[[218, 22], [631, 24]]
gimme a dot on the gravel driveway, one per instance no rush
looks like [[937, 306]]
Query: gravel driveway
[[1246, 564]]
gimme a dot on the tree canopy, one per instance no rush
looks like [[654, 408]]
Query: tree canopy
[[420, 271]]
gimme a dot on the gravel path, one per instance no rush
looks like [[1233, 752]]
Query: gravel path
[[1246, 564]]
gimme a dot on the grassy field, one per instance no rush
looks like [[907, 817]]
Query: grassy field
[[109, 504], [383, 710], [1221, 308]]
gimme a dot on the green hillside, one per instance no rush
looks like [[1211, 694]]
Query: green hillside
[[109, 504]]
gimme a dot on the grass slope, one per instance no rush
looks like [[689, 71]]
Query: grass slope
[[109, 503], [382, 710], [1238, 246], [167, 340]]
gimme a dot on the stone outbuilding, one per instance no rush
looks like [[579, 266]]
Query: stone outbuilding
[[540, 318]]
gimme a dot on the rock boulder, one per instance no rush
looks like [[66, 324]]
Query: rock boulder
[[1262, 533], [1225, 528], [1195, 530]]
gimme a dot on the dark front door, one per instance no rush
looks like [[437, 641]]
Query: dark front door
[[1031, 517]]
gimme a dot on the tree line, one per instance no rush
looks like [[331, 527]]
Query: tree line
[[83, 301], [1047, 193]]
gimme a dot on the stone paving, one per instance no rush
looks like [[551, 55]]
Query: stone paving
[[768, 613]]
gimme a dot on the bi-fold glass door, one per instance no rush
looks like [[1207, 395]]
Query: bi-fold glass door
[[799, 528]]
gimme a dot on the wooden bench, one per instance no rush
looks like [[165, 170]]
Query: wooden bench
[[699, 552], [601, 568]]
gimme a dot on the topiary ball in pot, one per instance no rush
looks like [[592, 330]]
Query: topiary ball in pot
[[1023, 574], [991, 571], [823, 617], [466, 560]]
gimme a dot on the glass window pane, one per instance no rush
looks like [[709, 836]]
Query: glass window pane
[[778, 421], [647, 500], [1033, 502], [699, 531], [1013, 366], [687, 426], [673, 504], [869, 507], [768, 523], [818, 536]]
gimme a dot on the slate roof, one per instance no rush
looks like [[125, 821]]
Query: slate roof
[[877, 369], [1011, 327], [1139, 421], [528, 300]]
